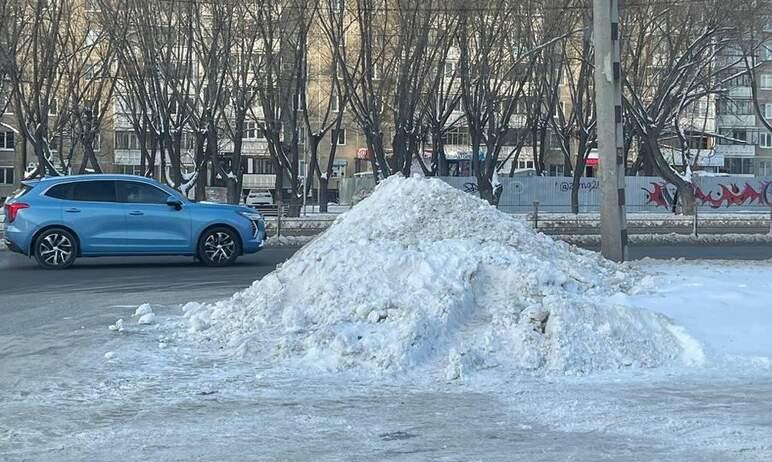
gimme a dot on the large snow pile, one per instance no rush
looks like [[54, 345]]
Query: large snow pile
[[422, 275]]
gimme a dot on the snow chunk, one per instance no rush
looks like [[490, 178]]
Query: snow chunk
[[148, 318], [422, 275], [109, 355], [143, 310], [118, 326]]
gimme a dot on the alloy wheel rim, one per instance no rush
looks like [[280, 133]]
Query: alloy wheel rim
[[219, 247], [55, 249]]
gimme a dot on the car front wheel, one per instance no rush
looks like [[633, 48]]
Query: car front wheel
[[55, 248], [218, 247]]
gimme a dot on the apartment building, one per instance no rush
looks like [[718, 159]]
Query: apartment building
[[746, 143]]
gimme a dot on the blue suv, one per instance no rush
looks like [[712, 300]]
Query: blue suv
[[59, 219]]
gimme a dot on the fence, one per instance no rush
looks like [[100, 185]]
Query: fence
[[642, 194]]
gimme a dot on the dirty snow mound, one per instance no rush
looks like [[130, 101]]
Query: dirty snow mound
[[423, 275]]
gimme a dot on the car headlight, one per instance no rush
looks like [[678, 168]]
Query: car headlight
[[254, 216]]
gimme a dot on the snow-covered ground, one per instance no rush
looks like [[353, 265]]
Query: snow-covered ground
[[161, 397], [408, 334]]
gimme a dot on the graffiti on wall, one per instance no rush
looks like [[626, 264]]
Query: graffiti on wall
[[588, 186], [727, 195]]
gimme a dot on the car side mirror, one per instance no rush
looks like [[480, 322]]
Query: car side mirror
[[172, 201]]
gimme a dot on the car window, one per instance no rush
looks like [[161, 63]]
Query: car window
[[19, 192], [94, 191], [60, 191], [140, 193]]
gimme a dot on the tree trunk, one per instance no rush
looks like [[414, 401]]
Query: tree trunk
[[200, 191], [575, 182], [234, 184], [685, 189], [323, 192]]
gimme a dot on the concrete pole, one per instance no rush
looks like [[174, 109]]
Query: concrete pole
[[608, 100]]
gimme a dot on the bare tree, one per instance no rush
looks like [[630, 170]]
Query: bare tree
[[241, 80], [92, 93], [443, 94], [52, 43], [683, 67], [282, 27], [212, 40], [575, 122], [157, 76], [498, 55]]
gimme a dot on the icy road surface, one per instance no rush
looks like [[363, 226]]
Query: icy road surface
[[72, 389]]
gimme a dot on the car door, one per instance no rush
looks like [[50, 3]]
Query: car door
[[152, 226], [90, 209]]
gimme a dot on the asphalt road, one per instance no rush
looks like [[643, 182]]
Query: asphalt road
[[163, 279], [168, 277]]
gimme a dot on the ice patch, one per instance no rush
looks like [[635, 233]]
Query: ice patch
[[422, 275]]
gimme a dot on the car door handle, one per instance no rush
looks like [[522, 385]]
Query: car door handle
[[72, 210], [136, 213]]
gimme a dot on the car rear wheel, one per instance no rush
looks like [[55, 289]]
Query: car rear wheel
[[218, 247], [55, 248]]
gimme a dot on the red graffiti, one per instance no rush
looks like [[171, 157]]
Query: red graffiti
[[727, 196], [657, 195]]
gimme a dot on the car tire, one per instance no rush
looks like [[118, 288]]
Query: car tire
[[55, 248], [219, 246]]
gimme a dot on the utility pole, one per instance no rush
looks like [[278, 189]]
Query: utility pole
[[608, 100]]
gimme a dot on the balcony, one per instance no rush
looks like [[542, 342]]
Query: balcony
[[702, 124], [703, 157], [740, 92], [725, 121], [259, 181], [736, 150]]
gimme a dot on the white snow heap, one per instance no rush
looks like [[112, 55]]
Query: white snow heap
[[422, 275]]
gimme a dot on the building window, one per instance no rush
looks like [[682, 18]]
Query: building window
[[698, 142], [450, 68], [126, 140], [766, 52], [339, 168], [335, 102], [766, 81], [338, 137], [735, 107], [7, 141], [53, 108], [556, 170], [260, 166], [301, 135], [555, 141], [5, 105], [6, 175], [457, 136], [739, 165], [768, 24], [733, 136], [252, 130], [739, 81], [525, 164], [767, 110], [765, 140]]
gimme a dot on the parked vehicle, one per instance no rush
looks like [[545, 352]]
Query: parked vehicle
[[257, 198], [59, 219]]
